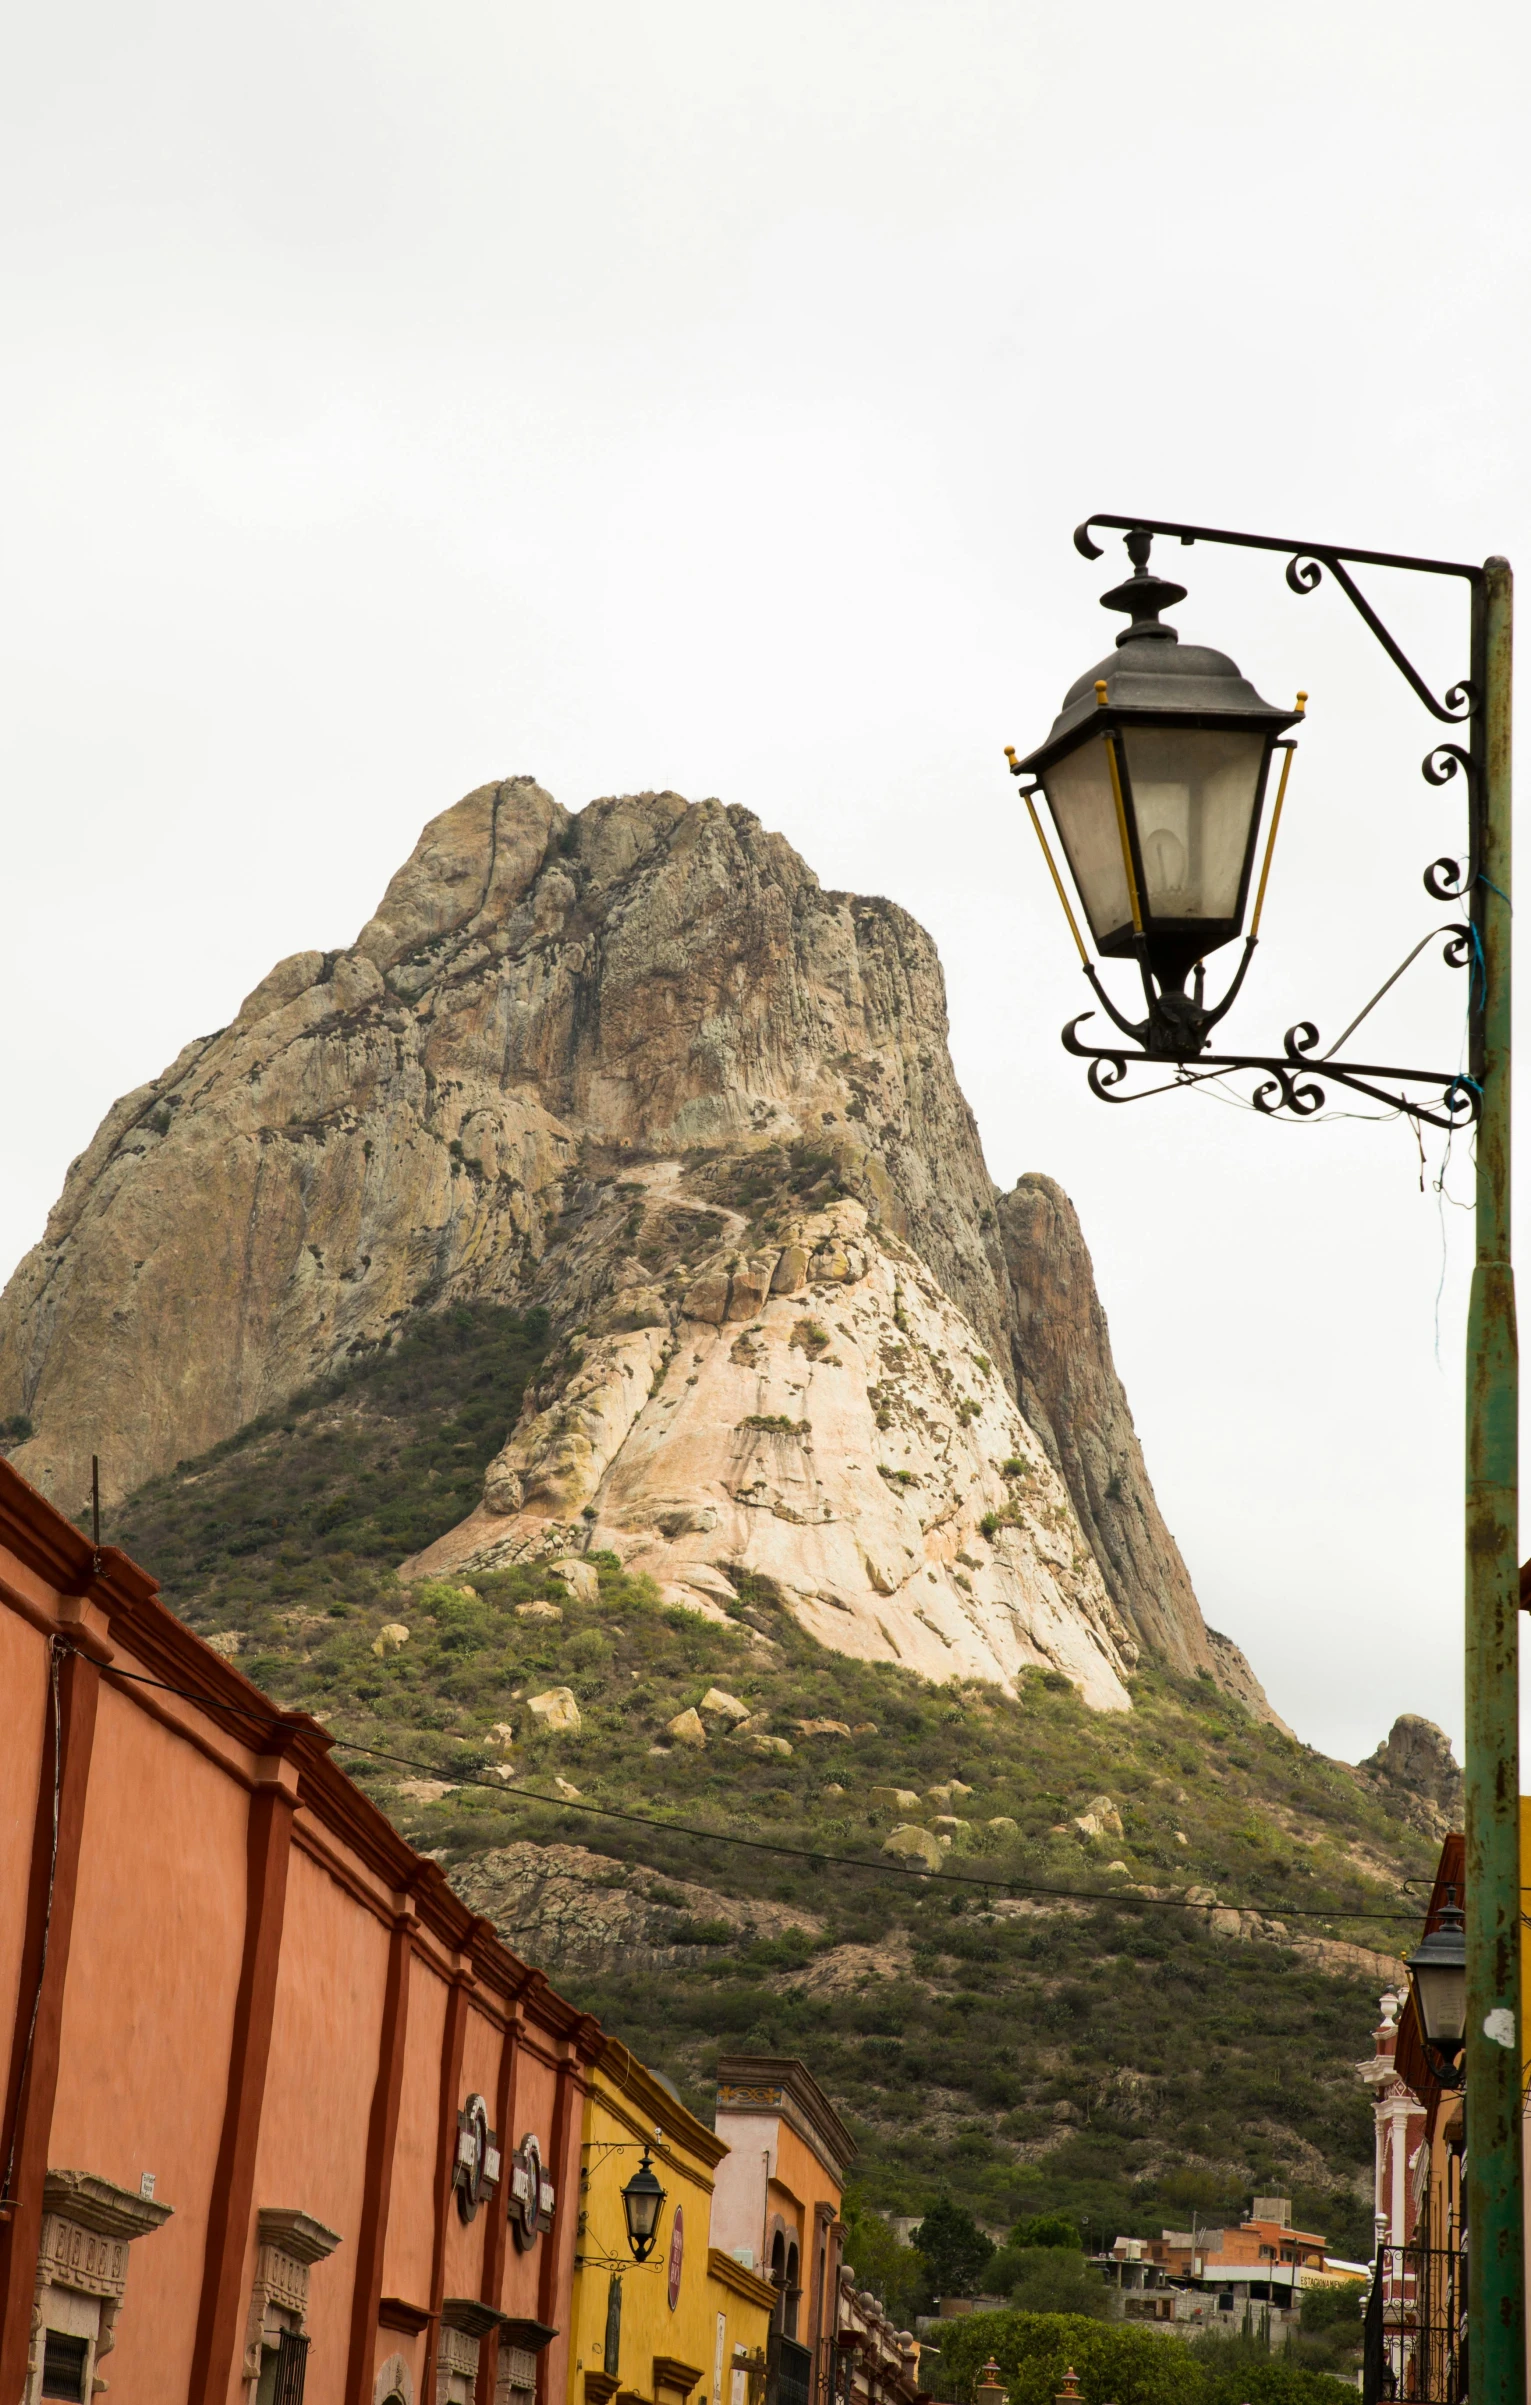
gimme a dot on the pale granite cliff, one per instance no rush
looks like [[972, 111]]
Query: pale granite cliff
[[635, 1065]]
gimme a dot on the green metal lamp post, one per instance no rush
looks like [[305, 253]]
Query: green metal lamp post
[[1156, 775]]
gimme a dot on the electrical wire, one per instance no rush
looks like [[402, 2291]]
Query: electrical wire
[[765, 1845]]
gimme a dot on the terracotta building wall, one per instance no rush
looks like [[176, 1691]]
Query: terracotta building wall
[[246, 1992], [24, 1686], [148, 2008], [407, 2254]]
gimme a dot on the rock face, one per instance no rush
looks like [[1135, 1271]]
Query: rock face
[[580, 1913], [1070, 1392], [1414, 1767], [636, 1066], [847, 1439]]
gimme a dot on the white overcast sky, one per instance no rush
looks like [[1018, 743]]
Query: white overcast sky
[[659, 393]]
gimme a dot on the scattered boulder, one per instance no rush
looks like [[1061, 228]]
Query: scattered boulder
[[790, 1275], [909, 1843], [707, 1298], [539, 1611], [750, 1286], [822, 1728], [390, 1637], [556, 1709], [1003, 1826], [759, 1743], [753, 1724], [686, 1728], [718, 1700], [501, 1734], [948, 1792], [1100, 1818], [425, 1791], [228, 1642], [564, 1788], [953, 1831], [895, 1799], [579, 1577]]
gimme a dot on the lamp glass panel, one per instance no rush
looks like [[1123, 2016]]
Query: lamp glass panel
[[642, 2198], [1193, 796], [1440, 1995], [1078, 789]]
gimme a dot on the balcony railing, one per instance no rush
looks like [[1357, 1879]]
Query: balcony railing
[[1416, 2327]]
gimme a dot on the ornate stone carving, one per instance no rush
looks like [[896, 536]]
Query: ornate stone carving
[[456, 2364], [88, 2226], [289, 2242], [515, 2379], [395, 2383]]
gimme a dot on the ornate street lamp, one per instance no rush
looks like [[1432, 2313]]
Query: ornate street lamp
[[1155, 775], [642, 2203], [1438, 1971]]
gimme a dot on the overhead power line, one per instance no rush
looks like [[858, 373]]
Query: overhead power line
[[880, 1868]]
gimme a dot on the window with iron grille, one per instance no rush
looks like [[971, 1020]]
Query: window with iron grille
[[64, 2361], [291, 2369]]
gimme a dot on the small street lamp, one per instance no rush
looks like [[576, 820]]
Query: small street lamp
[[642, 2203], [1155, 776], [1438, 1970]]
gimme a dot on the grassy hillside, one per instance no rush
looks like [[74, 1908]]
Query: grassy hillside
[[1117, 2058]]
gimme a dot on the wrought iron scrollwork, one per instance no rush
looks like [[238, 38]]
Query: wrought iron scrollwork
[[1305, 573], [1306, 566], [1293, 1082], [1449, 879], [1442, 762]]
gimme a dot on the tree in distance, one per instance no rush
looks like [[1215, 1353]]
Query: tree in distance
[[955, 2250]]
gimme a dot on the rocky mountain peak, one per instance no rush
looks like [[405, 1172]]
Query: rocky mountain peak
[[1415, 1767], [636, 1066]]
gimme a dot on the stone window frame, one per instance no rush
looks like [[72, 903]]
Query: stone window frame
[[89, 2225], [394, 2381], [287, 2245]]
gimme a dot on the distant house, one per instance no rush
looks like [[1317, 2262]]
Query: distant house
[[1246, 2278]]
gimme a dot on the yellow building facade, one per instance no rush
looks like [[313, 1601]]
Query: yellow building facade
[[688, 2326]]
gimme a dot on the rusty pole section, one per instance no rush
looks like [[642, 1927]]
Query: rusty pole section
[[1495, 2206]]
